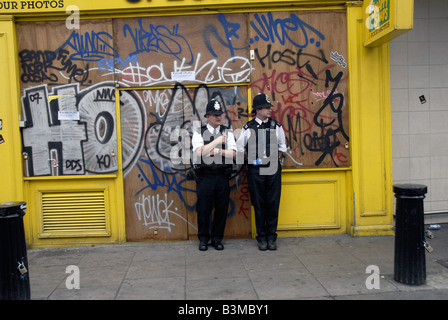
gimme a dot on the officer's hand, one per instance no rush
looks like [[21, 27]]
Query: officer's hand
[[223, 139]]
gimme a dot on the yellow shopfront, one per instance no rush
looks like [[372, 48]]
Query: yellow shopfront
[[98, 100]]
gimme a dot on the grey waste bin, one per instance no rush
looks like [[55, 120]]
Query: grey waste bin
[[410, 263], [14, 277]]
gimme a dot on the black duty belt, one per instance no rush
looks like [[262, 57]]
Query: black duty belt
[[207, 170]]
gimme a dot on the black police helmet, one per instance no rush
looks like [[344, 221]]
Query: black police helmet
[[213, 107], [261, 100]]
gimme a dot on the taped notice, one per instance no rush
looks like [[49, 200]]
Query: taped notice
[[183, 75], [68, 115]]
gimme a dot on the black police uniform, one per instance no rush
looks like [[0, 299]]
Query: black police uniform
[[265, 190], [213, 191]]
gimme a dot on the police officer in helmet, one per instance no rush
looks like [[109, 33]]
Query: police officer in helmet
[[262, 139], [214, 148]]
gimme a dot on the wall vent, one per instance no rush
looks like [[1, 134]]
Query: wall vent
[[74, 214]]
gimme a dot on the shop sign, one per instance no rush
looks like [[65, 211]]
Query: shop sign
[[14, 6], [40, 6], [386, 19]]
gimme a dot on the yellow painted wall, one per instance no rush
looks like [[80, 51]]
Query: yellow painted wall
[[356, 200], [11, 177], [369, 92], [10, 150]]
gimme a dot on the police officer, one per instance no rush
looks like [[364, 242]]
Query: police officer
[[262, 139], [215, 147]]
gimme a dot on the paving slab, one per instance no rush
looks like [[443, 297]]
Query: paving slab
[[317, 268]]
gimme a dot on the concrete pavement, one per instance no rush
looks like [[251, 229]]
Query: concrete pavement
[[328, 267]]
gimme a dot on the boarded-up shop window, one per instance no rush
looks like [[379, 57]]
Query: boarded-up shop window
[[68, 101], [301, 63], [68, 79]]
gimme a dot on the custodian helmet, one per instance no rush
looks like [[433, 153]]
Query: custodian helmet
[[261, 100], [213, 107]]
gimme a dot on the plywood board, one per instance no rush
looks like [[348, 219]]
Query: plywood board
[[160, 194], [301, 64], [199, 49], [52, 54]]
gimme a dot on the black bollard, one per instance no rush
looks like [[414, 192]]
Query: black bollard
[[410, 263]]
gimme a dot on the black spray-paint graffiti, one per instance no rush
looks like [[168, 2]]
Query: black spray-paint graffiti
[[327, 142], [39, 66], [170, 111], [294, 76], [89, 145]]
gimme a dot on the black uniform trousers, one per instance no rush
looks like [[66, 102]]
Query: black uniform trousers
[[265, 192], [213, 192]]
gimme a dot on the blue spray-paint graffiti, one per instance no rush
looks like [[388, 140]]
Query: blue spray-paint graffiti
[[152, 178], [271, 30], [90, 46], [149, 175], [230, 29], [155, 38]]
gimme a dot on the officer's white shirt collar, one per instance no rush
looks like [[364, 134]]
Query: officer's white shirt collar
[[259, 121], [211, 129]]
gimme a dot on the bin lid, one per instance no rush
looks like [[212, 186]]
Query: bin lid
[[410, 189], [8, 208]]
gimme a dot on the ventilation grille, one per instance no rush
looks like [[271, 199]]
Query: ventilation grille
[[80, 214]]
